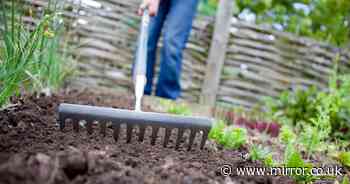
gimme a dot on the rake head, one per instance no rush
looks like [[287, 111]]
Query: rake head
[[133, 119]]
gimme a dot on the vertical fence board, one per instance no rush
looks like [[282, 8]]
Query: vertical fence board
[[217, 52]]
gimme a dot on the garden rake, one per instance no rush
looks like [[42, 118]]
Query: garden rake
[[137, 118]]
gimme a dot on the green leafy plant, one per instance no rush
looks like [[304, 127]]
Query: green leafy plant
[[176, 108], [312, 136], [234, 138], [325, 20], [228, 136], [345, 180], [297, 106], [207, 7], [217, 131], [344, 158], [311, 139], [268, 161], [293, 159], [327, 111], [258, 152], [287, 135]]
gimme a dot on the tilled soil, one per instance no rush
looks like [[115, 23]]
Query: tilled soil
[[34, 150]]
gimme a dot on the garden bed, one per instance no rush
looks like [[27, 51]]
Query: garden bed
[[34, 150]]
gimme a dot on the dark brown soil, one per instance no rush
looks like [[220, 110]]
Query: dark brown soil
[[34, 150]]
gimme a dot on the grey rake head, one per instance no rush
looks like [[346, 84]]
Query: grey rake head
[[132, 119]]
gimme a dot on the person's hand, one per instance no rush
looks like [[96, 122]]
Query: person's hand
[[152, 6]]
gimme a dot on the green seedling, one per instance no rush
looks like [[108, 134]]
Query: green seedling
[[345, 180], [176, 108], [217, 131], [268, 160], [228, 136], [234, 138], [287, 135], [344, 158], [293, 159], [257, 152]]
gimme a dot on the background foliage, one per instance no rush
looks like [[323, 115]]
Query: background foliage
[[325, 20]]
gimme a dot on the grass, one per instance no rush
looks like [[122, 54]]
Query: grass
[[30, 56]]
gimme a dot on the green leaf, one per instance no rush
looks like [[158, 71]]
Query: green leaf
[[345, 180], [234, 138], [287, 135], [268, 161], [217, 131], [344, 158], [258, 153]]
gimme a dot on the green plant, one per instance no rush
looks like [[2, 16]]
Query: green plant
[[327, 111], [207, 7], [297, 106], [293, 159], [258, 153], [344, 158], [31, 57], [311, 139], [345, 180], [325, 20], [234, 138], [228, 136], [217, 131], [176, 108], [287, 135], [268, 161]]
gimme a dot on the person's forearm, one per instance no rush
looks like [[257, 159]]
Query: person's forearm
[[151, 5]]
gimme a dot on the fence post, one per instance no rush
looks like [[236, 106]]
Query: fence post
[[217, 52]]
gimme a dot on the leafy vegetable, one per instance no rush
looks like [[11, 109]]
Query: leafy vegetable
[[293, 159], [234, 138], [287, 135], [344, 158], [345, 180], [217, 131], [228, 136], [258, 153], [268, 161], [176, 108], [326, 111]]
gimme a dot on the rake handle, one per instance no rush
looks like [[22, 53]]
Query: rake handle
[[141, 52], [139, 76]]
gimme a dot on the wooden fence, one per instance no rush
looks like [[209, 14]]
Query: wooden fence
[[258, 61]]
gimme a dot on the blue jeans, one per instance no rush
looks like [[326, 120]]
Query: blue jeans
[[175, 17]]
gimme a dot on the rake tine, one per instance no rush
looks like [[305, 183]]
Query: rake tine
[[167, 136], [142, 133], [62, 121], [204, 138], [75, 125], [128, 133], [116, 128], [192, 137], [103, 115], [89, 127], [154, 135], [180, 133], [103, 128]]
